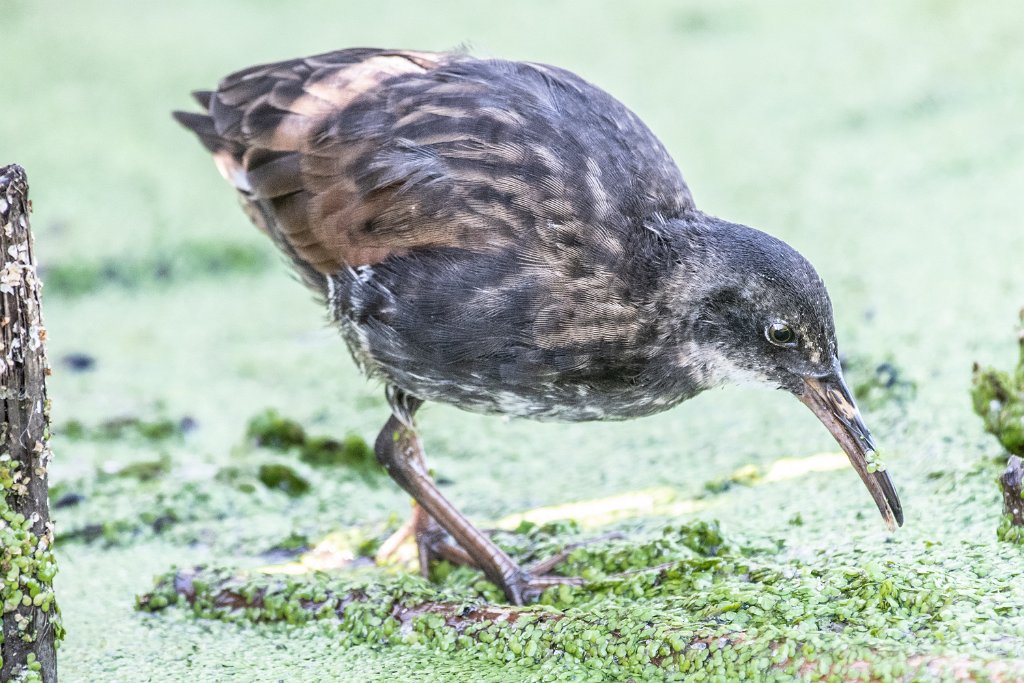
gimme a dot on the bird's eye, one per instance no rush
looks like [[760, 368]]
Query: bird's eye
[[780, 334]]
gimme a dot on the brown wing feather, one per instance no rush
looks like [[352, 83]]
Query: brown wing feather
[[351, 157], [304, 180]]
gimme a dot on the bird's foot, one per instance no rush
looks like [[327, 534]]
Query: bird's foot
[[390, 549], [547, 564], [528, 584], [521, 584], [432, 543], [524, 586]]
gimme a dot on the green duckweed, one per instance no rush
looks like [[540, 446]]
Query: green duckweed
[[270, 429], [27, 565], [998, 398], [684, 604]]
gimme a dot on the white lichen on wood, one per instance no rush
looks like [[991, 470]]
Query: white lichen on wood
[[28, 612]]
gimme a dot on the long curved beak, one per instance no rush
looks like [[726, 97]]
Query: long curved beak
[[829, 398]]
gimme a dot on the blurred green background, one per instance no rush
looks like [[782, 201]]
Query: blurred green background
[[883, 140]]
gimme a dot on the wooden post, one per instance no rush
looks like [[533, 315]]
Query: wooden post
[[30, 620], [1012, 481]]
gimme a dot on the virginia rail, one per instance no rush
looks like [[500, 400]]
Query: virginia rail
[[508, 238]]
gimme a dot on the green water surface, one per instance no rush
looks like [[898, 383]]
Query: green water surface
[[884, 141]]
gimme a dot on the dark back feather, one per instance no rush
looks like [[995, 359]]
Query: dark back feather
[[350, 157]]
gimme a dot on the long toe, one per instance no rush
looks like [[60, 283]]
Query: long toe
[[545, 566], [430, 540], [436, 544], [390, 549], [526, 588]]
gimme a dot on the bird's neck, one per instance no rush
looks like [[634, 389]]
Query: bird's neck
[[702, 251], [701, 264]]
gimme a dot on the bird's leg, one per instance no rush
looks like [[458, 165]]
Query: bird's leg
[[432, 542], [399, 450]]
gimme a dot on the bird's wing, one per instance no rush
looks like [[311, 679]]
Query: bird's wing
[[350, 157]]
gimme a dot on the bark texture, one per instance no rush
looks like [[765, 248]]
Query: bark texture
[[30, 622], [1012, 482]]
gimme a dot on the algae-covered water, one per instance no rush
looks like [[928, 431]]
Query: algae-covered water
[[884, 141]]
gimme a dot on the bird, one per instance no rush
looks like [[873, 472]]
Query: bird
[[505, 237]]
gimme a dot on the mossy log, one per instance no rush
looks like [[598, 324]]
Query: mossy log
[[998, 399], [527, 636], [30, 623]]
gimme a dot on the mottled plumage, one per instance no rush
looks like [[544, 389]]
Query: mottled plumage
[[515, 211], [508, 238]]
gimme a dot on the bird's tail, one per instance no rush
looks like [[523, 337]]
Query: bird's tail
[[228, 157], [227, 153]]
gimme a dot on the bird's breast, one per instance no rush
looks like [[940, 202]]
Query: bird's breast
[[497, 333]]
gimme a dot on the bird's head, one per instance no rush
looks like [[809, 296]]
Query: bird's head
[[760, 312]]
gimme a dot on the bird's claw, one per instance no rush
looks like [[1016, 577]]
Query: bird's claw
[[523, 587]]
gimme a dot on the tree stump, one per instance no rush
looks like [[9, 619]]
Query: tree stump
[[30, 620], [1011, 482]]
